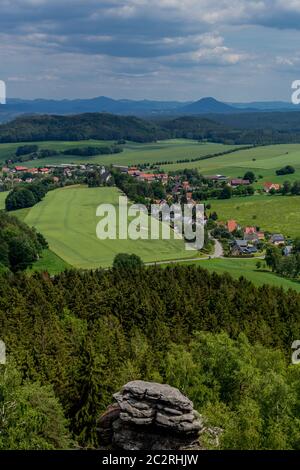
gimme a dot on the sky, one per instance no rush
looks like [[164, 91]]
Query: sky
[[234, 50]]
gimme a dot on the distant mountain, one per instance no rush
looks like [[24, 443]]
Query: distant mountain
[[267, 106], [15, 107], [208, 106], [142, 108]]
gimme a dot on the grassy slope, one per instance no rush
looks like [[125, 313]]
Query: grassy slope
[[67, 218], [7, 150], [263, 161], [2, 200], [170, 150], [271, 213], [247, 268], [50, 262]]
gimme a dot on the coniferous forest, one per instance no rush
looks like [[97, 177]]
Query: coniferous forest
[[75, 339]]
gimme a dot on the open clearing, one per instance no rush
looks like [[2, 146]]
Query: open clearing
[[280, 214], [67, 218], [246, 268]]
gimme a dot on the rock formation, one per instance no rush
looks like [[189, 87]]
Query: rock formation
[[150, 416]]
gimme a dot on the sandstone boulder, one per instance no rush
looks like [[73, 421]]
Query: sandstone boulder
[[150, 416]]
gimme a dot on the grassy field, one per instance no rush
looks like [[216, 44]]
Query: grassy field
[[7, 150], [67, 218], [2, 200], [247, 268], [279, 214], [263, 161], [51, 263], [169, 150]]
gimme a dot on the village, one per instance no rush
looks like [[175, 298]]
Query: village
[[187, 187]]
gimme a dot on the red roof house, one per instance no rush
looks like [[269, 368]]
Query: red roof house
[[21, 168], [268, 186], [232, 226]]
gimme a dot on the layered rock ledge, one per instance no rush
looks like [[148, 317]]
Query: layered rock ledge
[[150, 416]]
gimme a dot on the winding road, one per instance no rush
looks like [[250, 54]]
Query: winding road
[[218, 253]]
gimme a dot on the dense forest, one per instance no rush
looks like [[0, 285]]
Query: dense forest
[[74, 340], [243, 129], [80, 127]]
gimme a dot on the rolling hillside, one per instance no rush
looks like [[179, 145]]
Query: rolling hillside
[[67, 218]]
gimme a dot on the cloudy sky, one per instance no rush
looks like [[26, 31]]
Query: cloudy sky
[[235, 50]]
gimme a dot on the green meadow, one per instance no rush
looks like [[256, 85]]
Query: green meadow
[[169, 150], [263, 161], [279, 214], [3, 196], [67, 218], [246, 268]]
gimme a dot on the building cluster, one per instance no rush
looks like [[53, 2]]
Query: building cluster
[[13, 176], [247, 240]]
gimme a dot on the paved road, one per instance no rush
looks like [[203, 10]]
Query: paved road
[[218, 253]]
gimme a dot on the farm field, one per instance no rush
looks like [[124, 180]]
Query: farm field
[[263, 161], [134, 153], [6, 150], [279, 214], [246, 268], [67, 218]]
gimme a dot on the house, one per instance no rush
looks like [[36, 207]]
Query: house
[[163, 178], [232, 225], [277, 239], [33, 171], [217, 178], [241, 247], [133, 172], [269, 186], [238, 247], [45, 171], [251, 250], [21, 168], [239, 182], [146, 177], [249, 230], [261, 235], [252, 237]]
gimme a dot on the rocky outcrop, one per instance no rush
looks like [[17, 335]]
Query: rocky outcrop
[[150, 416]]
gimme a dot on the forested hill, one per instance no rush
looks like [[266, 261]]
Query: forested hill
[[244, 129], [80, 127], [88, 333]]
